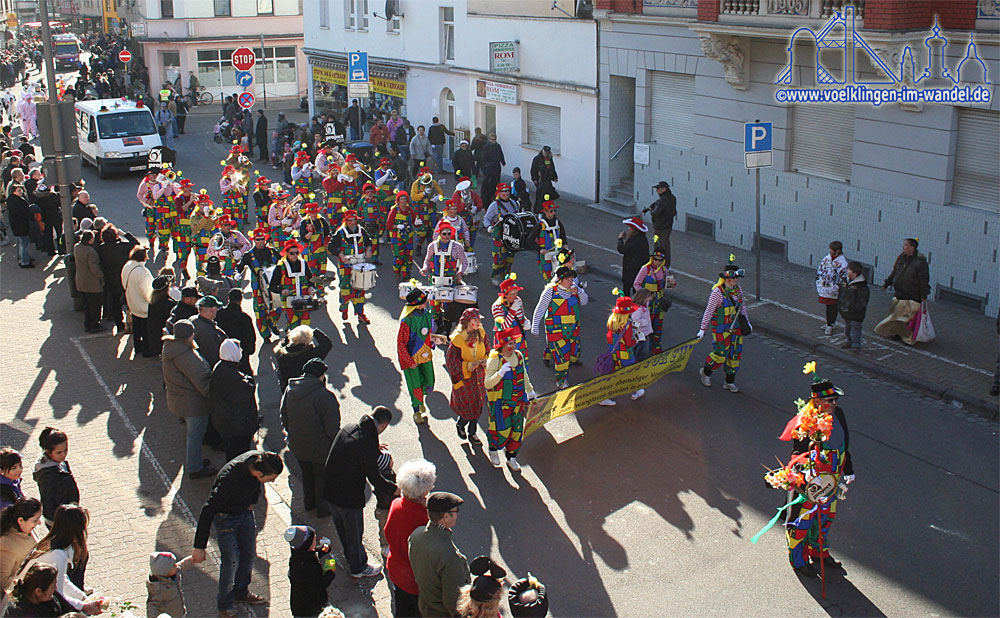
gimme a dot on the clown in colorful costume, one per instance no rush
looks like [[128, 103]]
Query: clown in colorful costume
[[372, 211], [508, 312], [508, 390], [424, 192], [185, 204], [313, 234], [164, 192], [444, 264], [233, 186], [283, 218], [415, 347], [471, 207], [257, 259], [145, 196], [401, 223], [451, 216], [333, 193], [567, 257], [559, 307], [549, 236], [724, 302], [203, 220], [349, 241], [503, 258], [622, 340], [262, 197], [228, 245], [655, 277], [351, 181], [291, 280], [302, 174], [465, 359]]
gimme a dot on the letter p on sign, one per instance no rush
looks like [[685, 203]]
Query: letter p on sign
[[757, 136]]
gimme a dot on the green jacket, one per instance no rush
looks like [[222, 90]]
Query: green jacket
[[439, 569]]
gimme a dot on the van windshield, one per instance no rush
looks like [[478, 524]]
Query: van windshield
[[125, 124], [67, 48]]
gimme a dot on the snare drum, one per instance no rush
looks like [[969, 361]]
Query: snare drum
[[441, 282], [442, 294], [467, 294], [473, 266], [363, 276], [405, 288], [304, 303], [354, 259]]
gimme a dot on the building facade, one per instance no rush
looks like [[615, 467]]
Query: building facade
[[525, 69], [679, 78], [178, 36]]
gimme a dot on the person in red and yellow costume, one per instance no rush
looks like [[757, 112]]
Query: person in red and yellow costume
[[283, 219], [508, 391], [425, 192], [233, 186], [351, 244], [313, 234], [257, 260], [228, 245], [402, 224], [145, 196], [471, 207], [302, 174], [415, 347], [373, 212], [185, 204], [291, 281], [164, 192], [262, 196], [203, 219], [333, 193]]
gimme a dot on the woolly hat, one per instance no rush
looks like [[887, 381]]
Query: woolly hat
[[315, 368], [299, 537], [229, 350], [161, 563]]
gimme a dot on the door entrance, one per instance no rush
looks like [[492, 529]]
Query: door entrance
[[621, 136]]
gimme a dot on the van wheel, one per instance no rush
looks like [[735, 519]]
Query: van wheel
[[102, 171]]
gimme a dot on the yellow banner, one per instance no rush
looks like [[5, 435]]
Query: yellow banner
[[621, 382], [390, 87]]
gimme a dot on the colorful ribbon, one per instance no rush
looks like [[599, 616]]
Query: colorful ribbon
[[774, 520]]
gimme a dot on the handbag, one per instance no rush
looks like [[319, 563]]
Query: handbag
[[605, 363], [925, 330], [741, 325]]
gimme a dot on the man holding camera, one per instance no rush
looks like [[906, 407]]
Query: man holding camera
[[663, 210]]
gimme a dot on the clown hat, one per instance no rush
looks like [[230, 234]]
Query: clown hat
[[503, 186], [445, 226], [505, 336], [823, 388], [637, 223], [624, 305], [261, 233], [291, 243], [416, 297], [311, 208], [229, 169], [350, 214], [263, 181], [458, 204], [367, 186], [549, 205], [509, 285], [400, 194], [732, 271], [204, 197], [236, 149], [225, 220], [186, 182], [463, 183], [351, 157], [384, 161]]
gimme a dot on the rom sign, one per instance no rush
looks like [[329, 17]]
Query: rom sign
[[504, 57]]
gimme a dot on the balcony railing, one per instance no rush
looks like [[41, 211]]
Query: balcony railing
[[790, 8]]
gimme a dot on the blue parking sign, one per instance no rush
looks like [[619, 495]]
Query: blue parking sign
[[357, 67], [757, 136]]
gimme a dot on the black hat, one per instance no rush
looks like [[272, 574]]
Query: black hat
[[547, 148], [189, 291], [416, 297], [213, 259], [661, 185], [485, 588], [563, 272], [519, 608], [442, 502], [160, 283], [209, 301], [315, 367], [732, 271], [824, 389]]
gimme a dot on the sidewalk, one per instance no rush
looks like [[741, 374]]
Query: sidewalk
[[956, 367]]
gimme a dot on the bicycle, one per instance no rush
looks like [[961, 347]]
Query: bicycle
[[204, 97]]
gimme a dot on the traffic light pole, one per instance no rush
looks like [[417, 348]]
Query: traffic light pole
[[59, 139]]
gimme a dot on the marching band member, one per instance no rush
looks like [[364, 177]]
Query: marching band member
[[325, 157], [445, 258], [145, 196], [622, 339], [549, 235], [401, 224], [725, 304], [655, 277], [164, 192], [350, 180], [423, 192], [228, 245], [503, 258], [415, 347], [451, 216], [257, 259], [238, 159], [465, 359], [385, 177], [262, 199], [471, 207], [313, 234], [185, 204], [349, 240], [567, 257], [291, 281], [302, 174], [508, 312], [203, 220], [232, 185], [559, 307], [333, 192], [373, 215], [283, 218], [508, 390]]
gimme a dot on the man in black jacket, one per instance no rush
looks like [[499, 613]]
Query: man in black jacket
[[238, 325], [436, 136], [20, 224], [353, 458], [463, 160], [48, 202], [491, 163], [355, 120], [663, 211], [260, 134], [543, 174], [230, 507]]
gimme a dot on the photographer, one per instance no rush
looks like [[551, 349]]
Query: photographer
[[663, 212]]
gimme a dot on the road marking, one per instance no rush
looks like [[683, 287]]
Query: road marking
[[765, 301], [171, 487], [950, 532]]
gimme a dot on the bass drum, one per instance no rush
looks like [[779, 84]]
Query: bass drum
[[515, 229]]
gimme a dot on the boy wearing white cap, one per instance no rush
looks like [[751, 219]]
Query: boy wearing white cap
[[164, 594]]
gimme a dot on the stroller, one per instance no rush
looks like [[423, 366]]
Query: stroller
[[223, 131]]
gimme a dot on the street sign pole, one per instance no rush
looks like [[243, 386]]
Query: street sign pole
[[756, 173], [263, 82], [757, 153]]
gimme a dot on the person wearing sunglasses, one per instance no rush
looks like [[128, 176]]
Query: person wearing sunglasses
[[655, 277], [725, 305], [291, 280]]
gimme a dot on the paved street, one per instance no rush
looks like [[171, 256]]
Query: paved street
[[645, 509]]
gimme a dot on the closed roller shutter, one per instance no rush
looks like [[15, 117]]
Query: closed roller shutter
[[543, 126], [823, 140], [671, 112], [977, 179]]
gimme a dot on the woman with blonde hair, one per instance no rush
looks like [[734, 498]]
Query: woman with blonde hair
[[481, 598], [622, 340], [465, 359], [301, 344]]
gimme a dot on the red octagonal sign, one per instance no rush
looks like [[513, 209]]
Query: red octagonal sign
[[125, 56], [243, 59]]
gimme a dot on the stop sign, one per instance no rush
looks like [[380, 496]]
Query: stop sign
[[125, 56], [243, 59]]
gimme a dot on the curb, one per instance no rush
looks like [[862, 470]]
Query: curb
[[961, 400]]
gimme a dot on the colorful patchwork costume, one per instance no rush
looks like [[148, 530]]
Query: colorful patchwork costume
[[548, 236], [415, 349], [373, 211], [291, 281], [503, 258], [202, 229], [184, 204], [257, 260], [508, 388], [559, 307], [164, 192], [721, 316], [400, 223], [350, 241], [654, 276]]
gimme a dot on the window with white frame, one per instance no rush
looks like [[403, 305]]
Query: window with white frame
[[275, 65], [223, 8], [265, 7], [166, 8], [447, 34], [977, 159], [324, 13], [392, 25], [350, 21], [542, 126], [362, 14], [823, 140]]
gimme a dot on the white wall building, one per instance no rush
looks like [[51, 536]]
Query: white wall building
[[434, 59]]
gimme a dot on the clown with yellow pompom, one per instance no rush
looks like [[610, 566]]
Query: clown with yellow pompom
[[726, 314]]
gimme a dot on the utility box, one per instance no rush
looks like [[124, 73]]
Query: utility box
[[67, 121]]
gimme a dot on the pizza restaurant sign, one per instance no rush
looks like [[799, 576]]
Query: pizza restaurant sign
[[496, 91], [504, 57]]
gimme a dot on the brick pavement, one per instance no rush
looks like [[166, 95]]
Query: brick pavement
[[126, 450], [956, 367]]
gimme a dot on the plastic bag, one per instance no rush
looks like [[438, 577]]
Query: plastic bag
[[925, 330]]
